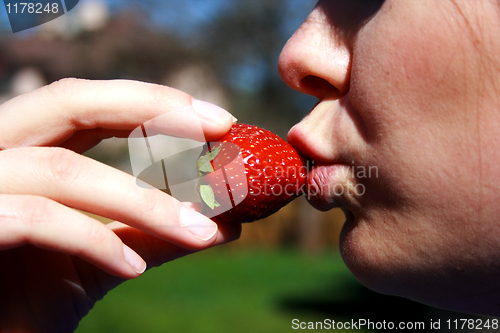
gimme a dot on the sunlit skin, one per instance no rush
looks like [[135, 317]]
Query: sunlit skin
[[411, 88], [57, 262]]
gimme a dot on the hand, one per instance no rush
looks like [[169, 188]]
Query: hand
[[55, 261]]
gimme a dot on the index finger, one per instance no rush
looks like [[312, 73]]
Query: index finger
[[84, 109]]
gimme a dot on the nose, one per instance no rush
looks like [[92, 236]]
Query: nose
[[316, 59]]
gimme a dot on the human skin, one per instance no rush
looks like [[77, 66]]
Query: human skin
[[410, 88], [57, 262]]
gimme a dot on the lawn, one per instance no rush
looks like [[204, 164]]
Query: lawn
[[228, 291]]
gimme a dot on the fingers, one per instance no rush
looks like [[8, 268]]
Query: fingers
[[154, 251], [79, 182], [26, 219], [99, 109], [157, 252]]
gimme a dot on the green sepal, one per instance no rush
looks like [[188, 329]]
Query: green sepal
[[207, 195], [203, 162]]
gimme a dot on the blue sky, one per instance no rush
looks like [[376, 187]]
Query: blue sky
[[185, 16]]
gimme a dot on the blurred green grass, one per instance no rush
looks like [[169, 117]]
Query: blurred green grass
[[223, 291]]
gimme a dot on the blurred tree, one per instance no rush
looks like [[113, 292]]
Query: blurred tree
[[124, 48], [244, 44], [241, 40]]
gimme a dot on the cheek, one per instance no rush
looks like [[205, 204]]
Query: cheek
[[429, 214], [411, 71], [412, 94], [412, 152]]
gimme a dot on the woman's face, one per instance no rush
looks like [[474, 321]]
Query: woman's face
[[406, 139]]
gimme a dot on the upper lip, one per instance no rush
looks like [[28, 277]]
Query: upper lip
[[329, 133]]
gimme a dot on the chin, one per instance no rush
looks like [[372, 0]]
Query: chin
[[362, 255], [381, 263]]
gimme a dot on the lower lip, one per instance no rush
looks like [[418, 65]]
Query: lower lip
[[325, 186]]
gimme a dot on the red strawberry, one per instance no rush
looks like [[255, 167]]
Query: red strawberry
[[249, 174]]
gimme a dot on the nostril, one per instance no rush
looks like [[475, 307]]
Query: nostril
[[317, 86]]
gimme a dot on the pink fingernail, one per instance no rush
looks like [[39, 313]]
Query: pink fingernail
[[210, 111], [134, 260], [197, 224]]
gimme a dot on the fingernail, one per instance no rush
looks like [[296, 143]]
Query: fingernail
[[197, 224], [210, 111], [134, 260]]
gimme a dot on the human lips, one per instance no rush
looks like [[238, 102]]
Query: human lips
[[330, 136], [330, 186]]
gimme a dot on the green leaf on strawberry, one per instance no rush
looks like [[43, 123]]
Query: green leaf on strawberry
[[207, 194], [204, 165]]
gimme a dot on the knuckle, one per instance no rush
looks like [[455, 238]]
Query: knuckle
[[158, 96], [35, 210], [96, 233], [147, 201], [64, 90], [63, 165]]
